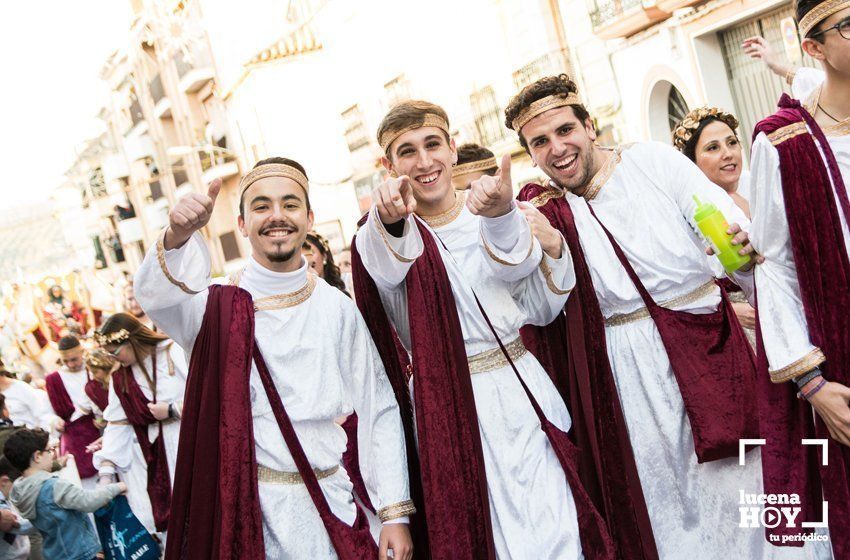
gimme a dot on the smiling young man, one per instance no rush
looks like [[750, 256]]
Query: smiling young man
[[259, 470], [800, 172], [661, 375], [457, 274]]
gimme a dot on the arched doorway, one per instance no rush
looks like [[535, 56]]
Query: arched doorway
[[667, 106]]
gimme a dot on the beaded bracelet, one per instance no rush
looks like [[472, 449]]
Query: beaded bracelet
[[808, 394]]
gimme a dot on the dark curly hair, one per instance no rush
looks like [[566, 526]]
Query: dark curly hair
[[280, 160], [467, 153], [22, 444], [330, 270], [560, 85]]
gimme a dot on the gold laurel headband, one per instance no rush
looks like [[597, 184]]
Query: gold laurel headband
[[685, 129], [388, 137], [272, 170], [114, 338], [543, 105], [473, 166], [820, 13], [100, 359]]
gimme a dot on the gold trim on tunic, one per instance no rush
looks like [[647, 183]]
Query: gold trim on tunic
[[160, 257], [841, 128], [546, 196], [447, 217], [603, 174], [820, 13], [643, 313], [383, 231], [797, 368], [394, 511], [284, 301], [547, 273], [780, 135], [541, 106], [491, 360], [502, 261], [271, 476]]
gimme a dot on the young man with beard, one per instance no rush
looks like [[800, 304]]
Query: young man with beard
[[660, 376], [260, 458], [800, 172], [456, 275], [66, 389]]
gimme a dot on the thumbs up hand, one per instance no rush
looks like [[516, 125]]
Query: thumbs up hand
[[191, 213], [491, 195]]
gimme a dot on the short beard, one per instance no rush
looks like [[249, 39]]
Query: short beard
[[586, 169], [280, 257]]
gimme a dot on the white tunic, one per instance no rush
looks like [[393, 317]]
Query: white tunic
[[75, 385], [531, 505], [647, 204], [784, 327], [27, 406], [324, 366]]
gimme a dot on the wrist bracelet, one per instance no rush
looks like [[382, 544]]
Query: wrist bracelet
[[171, 410], [810, 393], [803, 379]]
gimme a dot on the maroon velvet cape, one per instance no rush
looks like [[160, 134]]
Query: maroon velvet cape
[[98, 394], [216, 504], [453, 480], [823, 271], [77, 434], [135, 405]]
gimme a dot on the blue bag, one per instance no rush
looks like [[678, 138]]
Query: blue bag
[[121, 534]]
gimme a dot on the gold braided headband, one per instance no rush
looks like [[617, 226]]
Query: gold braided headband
[[820, 13], [390, 136], [114, 338], [100, 359], [543, 105], [473, 166], [273, 170], [321, 240], [685, 129]]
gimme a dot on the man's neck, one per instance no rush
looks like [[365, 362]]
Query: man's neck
[[438, 207], [290, 265], [598, 159], [835, 95]]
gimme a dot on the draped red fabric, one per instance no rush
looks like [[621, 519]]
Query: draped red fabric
[[574, 352], [215, 512], [135, 405], [451, 458], [98, 394], [78, 434], [823, 271]]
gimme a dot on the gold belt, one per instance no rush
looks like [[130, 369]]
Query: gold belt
[[265, 474], [494, 359], [643, 313], [127, 422]]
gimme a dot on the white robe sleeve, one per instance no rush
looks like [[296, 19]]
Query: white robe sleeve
[[118, 438], [171, 287], [684, 180], [806, 80], [385, 257], [543, 294], [785, 331], [380, 437], [513, 253]]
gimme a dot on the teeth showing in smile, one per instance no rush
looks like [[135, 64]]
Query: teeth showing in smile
[[564, 163], [729, 167], [278, 233], [428, 179]]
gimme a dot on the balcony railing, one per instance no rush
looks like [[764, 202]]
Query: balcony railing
[[194, 74], [214, 159], [622, 18]]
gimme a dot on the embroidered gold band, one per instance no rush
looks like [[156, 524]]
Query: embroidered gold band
[[447, 217], [273, 170], [395, 511], [390, 136], [502, 261], [795, 369], [160, 257], [604, 173], [283, 301], [379, 225], [127, 422], [491, 360], [543, 105], [780, 135], [820, 13], [473, 166], [639, 314], [547, 273], [546, 196], [271, 476]]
